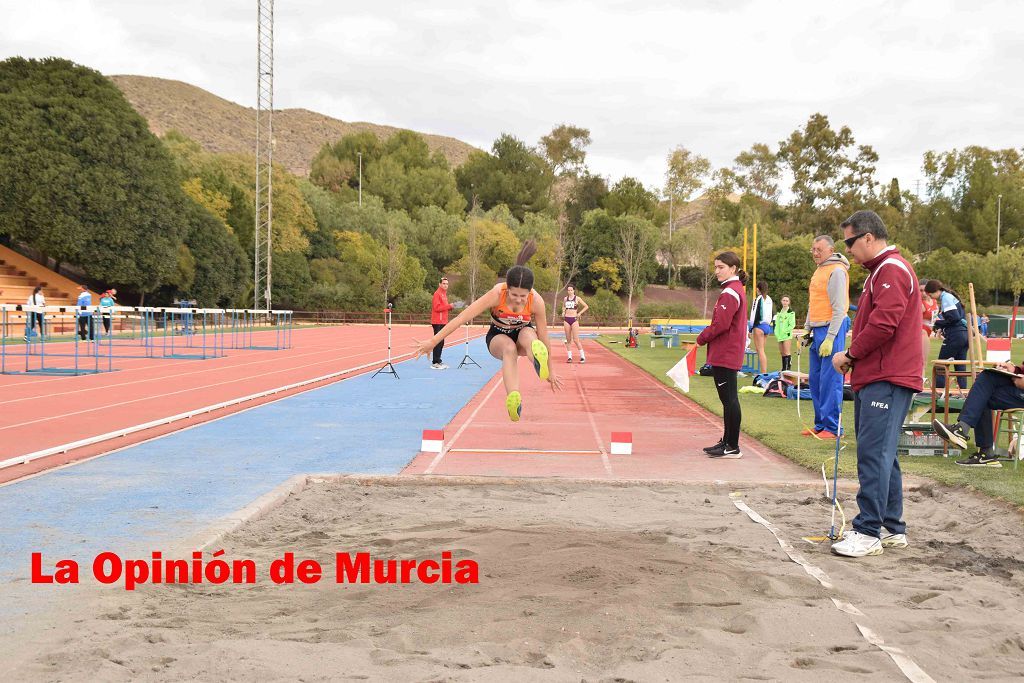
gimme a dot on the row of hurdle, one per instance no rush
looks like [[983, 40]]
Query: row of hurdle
[[75, 340]]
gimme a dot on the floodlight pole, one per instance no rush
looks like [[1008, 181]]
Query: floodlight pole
[[263, 236]]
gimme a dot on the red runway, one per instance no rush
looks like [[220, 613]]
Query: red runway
[[39, 412], [568, 434]]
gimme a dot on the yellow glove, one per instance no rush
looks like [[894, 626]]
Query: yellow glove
[[826, 347]]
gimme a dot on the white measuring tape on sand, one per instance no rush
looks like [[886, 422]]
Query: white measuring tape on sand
[[910, 669]]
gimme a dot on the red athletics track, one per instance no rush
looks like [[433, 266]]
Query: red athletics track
[[605, 395], [40, 412]]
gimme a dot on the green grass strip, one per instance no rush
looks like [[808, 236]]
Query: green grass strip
[[774, 422]]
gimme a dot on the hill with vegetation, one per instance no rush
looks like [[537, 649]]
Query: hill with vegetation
[[219, 125], [148, 185]]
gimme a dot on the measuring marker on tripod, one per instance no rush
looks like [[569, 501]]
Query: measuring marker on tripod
[[467, 359], [388, 367]]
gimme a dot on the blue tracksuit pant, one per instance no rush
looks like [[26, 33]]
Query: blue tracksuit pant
[[954, 346], [879, 411], [826, 384], [991, 391]]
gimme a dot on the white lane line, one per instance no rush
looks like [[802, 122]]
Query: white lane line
[[694, 408], [593, 423], [437, 459], [64, 448]]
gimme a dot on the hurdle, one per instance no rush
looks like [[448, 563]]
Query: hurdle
[[244, 324], [192, 333], [85, 355]]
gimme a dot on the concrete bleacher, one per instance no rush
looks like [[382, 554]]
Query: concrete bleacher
[[20, 275]]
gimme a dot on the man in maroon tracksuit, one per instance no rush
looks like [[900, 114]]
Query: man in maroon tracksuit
[[886, 358], [438, 319]]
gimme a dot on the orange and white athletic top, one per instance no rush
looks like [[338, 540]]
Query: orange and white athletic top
[[503, 316], [929, 308]]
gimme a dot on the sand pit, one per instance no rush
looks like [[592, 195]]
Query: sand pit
[[578, 581]]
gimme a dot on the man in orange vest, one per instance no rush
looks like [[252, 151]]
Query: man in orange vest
[[827, 324]]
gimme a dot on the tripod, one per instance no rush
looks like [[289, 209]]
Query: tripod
[[467, 359], [388, 367]]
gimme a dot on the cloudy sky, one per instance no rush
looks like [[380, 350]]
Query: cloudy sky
[[644, 77]]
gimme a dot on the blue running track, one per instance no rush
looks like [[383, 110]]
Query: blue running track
[[147, 496]]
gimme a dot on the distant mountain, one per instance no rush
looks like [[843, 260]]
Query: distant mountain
[[222, 126]]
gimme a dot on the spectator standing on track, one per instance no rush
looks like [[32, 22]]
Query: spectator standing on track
[[885, 356], [952, 323], [785, 322], [34, 318], [760, 322], [726, 338], [107, 301], [438, 319], [827, 324], [573, 309], [85, 321]]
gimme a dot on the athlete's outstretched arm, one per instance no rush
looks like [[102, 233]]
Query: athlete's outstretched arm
[[483, 303]]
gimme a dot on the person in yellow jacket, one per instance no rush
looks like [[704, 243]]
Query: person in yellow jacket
[[827, 325], [785, 322]]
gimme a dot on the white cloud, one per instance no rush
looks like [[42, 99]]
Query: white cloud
[[643, 76]]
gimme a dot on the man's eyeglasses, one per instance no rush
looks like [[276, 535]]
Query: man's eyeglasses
[[850, 241]]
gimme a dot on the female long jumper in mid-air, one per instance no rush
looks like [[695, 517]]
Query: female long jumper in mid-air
[[514, 307]]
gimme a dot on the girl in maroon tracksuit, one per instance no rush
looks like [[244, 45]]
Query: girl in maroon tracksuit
[[726, 338]]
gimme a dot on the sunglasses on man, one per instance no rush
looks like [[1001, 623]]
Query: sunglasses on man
[[850, 241]]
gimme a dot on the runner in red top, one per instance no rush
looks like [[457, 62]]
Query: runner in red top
[[515, 308], [929, 309]]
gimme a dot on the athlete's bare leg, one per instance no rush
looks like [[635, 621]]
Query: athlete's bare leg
[[504, 349], [759, 345]]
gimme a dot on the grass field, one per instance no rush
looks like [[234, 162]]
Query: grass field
[[775, 422]]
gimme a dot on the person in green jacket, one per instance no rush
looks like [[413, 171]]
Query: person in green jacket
[[785, 321]]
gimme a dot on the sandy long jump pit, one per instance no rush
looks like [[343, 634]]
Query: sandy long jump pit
[[578, 581]]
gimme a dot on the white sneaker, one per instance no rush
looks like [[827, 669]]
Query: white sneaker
[[435, 366], [441, 366], [856, 544], [894, 540]]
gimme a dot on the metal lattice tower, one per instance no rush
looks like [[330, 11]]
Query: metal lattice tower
[[264, 153]]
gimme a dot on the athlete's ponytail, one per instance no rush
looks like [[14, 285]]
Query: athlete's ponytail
[[528, 250], [730, 258], [933, 286], [519, 275]]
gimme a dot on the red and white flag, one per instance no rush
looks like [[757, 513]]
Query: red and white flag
[[687, 365]]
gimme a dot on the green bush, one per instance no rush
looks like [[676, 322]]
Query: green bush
[[605, 306], [666, 310], [692, 277], [418, 301]]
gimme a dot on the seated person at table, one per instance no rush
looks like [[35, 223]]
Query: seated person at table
[[991, 391]]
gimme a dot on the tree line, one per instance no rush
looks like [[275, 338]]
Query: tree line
[[83, 181]]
